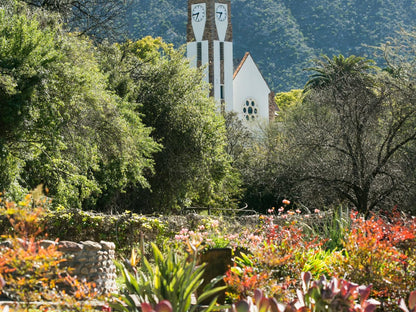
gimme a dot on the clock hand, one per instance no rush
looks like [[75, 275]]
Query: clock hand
[[197, 14]]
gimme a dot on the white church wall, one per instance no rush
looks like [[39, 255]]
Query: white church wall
[[249, 86], [191, 51], [228, 75], [191, 54]]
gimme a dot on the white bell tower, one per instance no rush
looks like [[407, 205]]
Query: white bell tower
[[209, 44]]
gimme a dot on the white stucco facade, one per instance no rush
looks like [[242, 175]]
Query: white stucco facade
[[227, 85], [192, 55], [250, 87]]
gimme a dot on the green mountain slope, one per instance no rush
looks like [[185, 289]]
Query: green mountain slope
[[284, 35]]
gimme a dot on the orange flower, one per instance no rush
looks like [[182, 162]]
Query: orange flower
[[286, 202]]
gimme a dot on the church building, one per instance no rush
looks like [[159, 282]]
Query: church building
[[242, 90]]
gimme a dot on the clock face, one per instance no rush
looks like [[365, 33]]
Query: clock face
[[221, 12], [198, 13]]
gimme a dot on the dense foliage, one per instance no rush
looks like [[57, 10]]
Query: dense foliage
[[88, 120], [32, 271], [192, 167], [377, 253], [60, 125], [347, 138]]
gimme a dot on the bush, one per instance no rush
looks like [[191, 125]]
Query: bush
[[31, 272]]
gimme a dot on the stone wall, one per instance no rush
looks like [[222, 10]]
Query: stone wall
[[91, 261]]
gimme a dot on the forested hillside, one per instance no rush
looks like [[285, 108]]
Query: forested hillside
[[284, 35]]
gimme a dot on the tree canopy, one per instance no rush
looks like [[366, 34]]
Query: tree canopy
[[347, 139], [192, 168], [96, 122], [60, 125]]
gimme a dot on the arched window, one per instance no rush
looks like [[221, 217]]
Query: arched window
[[250, 110]]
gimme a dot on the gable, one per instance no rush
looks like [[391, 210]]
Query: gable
[[251, 94], [248, 74]]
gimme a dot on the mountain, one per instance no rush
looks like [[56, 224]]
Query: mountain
[[283, 36]]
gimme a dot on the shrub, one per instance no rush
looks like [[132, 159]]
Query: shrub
[[31, 272], [376, 251], [28, 270], [277, 255]]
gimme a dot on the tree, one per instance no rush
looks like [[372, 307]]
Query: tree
[[347, 139], [99, 19], [334, 71], [60, 125], [193, 168], [286, 100]]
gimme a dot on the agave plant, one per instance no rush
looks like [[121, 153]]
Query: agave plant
[[171, 278]]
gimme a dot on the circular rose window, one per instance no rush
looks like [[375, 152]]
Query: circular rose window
[[250, 110]]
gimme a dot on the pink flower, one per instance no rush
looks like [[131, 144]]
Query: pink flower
[[298, 211], [317, 211], [184, 231], [281, 209]]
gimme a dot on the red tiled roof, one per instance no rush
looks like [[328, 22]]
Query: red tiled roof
[[241, 64]]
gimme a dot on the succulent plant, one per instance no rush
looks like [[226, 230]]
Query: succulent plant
[[412, 303], [260, 304], [335, 295], [317, 296], [163, 306]]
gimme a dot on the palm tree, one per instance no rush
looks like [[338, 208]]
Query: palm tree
[[334, 71]]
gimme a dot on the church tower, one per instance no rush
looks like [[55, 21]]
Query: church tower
[[209, 44]]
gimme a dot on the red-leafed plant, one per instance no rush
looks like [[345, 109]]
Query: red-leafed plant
[[412, 303], [273, 262], [316, 296], [29, 271], [377, 252], [162, 306]]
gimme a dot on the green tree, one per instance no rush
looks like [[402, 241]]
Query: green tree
[[99, 19], [332, 72], [61, 126], [193, 167], [287, 100]]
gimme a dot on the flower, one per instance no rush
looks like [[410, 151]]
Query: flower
[[281, 209], [317, 211], [298, 211], [286, 202]]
